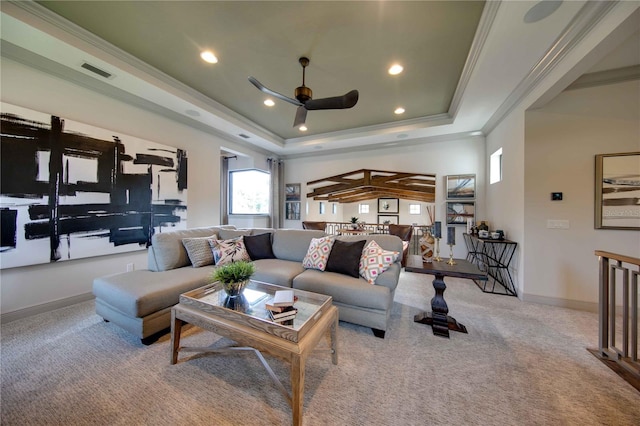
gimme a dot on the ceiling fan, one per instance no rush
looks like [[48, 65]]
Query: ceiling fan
[[303, 97]]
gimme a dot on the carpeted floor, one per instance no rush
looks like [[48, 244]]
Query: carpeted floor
[[520, 364]]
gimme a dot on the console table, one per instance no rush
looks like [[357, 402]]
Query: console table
[[493, 257], [438, 318]]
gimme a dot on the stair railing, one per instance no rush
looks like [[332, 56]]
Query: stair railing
[[623, 351]]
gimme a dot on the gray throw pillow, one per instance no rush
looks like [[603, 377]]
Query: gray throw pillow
[[199, 251]]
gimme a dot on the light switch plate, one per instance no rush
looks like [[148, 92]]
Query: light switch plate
[[557, 224]]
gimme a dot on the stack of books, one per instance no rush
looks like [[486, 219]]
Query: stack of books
[[281, 309]]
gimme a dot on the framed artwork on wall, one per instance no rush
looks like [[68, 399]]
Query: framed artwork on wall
[[292, 210], [459, 211], [461, 187], [388, 219], [70, 190], [617, 190], [292, 192], [388, 205]]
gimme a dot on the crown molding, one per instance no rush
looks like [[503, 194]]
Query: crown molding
[[602, 78], [584, 21], [143, 70], [405, 143], [484, 27], [18, 54]]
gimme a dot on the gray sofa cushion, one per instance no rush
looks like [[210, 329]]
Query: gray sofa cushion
[[142, 292], [292, 244], [345, 289], [227, 234], [277, 271], [167, 251]]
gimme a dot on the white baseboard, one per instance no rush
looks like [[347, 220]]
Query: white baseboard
[[45, 307], [563, 303]]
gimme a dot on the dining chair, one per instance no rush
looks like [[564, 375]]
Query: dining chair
[[319, 226], [404, 232]]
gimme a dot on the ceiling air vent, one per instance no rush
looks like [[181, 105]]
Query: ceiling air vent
[[242, 135], [96, 70]]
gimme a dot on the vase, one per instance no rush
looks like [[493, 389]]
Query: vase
[[427, 244], [236, 303], [235, 289]]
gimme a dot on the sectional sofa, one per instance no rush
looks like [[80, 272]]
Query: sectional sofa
[[140, 301]]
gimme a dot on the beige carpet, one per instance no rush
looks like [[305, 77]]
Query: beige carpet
[[520, 364]]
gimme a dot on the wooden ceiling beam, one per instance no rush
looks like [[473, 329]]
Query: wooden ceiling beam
[[366, 184]]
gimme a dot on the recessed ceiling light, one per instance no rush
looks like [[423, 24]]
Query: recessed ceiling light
[[208, 56], [395, 69], [303, 128], [269, 102], [399, 110], [476, 133]]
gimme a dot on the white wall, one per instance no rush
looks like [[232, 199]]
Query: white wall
[[20, 85], [505, 199], [561, 141], [463, 156]]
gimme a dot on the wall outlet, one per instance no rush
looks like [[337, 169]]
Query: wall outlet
[[131, 267]]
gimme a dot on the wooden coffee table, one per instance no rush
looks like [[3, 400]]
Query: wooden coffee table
[[246, 322]]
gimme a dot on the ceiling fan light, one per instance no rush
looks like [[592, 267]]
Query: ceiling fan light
[[399, 110], [269, 102], [395, 69], [209, 57]]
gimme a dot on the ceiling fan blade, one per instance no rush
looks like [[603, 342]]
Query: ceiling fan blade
[[268, 91], [301, 116], [336, 102]]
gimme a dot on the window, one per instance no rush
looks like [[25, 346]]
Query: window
[[495, 167], [363, 208], [321, 207], [414, 208], [334, 208], [249, 192]]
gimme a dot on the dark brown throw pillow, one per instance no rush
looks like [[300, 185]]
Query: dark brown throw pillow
[[345, 257], [259, 246]]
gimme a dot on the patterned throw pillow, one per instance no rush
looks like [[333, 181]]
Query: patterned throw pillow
[[227, 251], [318, 253], [375, 260], [199, 251]]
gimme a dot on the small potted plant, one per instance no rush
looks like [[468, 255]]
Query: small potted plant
[[354, 222], [234, 276]]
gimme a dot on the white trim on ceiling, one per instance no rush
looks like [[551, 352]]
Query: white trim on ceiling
[[482, 32], [18, 54], [144, 70], [584, 21], [601, 78]]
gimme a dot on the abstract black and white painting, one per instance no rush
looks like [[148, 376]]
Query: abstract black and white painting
[[70, 190]]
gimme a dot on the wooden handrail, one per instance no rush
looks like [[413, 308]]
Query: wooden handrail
[[619, 257]]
